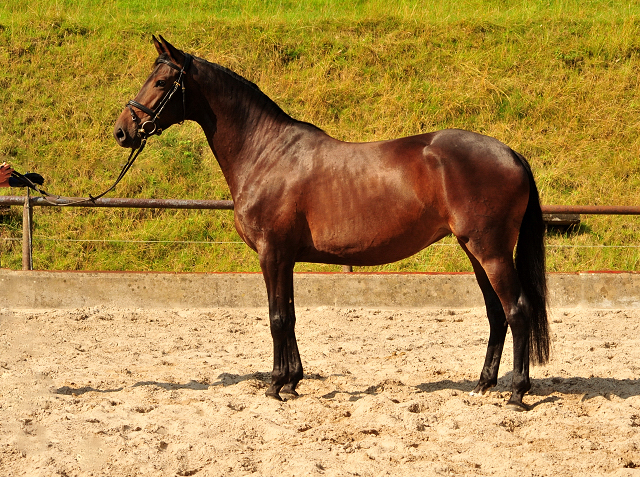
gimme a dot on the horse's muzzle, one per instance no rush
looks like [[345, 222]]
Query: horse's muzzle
[[124, 138], [120, 136]]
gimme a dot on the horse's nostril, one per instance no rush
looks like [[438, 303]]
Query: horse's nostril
[[120, 134]]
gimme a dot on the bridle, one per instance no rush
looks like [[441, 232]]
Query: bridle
[[154, 114], [144, 131]]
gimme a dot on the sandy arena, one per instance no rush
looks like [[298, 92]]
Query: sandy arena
[[132, 392]]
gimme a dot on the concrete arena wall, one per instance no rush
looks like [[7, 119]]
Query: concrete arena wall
[[51, 289]]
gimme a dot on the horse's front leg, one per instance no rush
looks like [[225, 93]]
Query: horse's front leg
[[287, 366]]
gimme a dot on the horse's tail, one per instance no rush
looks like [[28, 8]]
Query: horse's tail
[[530, 265]]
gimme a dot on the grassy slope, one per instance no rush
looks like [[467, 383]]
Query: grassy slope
[[557, 81]]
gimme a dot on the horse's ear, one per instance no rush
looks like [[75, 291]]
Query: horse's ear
[[176, 55], [159, 46]]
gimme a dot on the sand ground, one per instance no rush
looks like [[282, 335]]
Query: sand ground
[[131, 392]]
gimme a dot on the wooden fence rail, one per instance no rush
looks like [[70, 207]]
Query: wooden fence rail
[[554, 214]]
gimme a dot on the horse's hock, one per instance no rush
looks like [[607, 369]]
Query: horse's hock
[[68, 290]]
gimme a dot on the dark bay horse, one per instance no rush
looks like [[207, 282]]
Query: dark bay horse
[[301, 195]]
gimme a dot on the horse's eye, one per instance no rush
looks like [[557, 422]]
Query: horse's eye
[[160, 83]]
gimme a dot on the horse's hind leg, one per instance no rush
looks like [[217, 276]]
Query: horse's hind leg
[[498, 325], [287, 366], [501, 273]]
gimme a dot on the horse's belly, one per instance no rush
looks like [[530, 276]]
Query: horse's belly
[[373, 240], [377, 255]]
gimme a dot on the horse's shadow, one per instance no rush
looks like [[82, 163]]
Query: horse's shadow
[[71, 391], [467, 386], [191, 385], [546, 389], [224, 379], [588, 388]]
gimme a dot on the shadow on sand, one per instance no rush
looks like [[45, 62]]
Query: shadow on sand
[[546, 390]]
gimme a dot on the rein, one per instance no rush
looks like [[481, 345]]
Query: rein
[[54, 199], [142, 132]]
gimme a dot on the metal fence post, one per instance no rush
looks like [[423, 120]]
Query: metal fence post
[[27, 228]]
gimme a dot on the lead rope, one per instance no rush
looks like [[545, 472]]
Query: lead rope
[[179, 83], [54, 199]]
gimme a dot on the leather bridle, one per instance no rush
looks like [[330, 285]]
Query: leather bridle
[[150, 126], [144, 131]]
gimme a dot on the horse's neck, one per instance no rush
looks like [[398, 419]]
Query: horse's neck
[[239, 127]]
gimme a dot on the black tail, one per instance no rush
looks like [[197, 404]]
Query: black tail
[[530, 264]]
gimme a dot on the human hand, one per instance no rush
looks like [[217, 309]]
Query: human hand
[[5, 174]]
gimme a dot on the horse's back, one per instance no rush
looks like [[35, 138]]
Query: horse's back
[[467, 152], [449, 168]]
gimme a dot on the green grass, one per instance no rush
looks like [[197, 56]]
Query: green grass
[[555, 80]]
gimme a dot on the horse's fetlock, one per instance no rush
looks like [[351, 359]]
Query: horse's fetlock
[[279, 377]]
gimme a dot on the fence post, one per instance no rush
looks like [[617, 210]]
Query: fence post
[[347, 268], [27, 228]]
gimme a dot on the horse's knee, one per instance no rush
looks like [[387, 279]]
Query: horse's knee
[[280, 323]]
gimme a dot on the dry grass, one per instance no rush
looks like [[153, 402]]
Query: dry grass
[[553, 82]]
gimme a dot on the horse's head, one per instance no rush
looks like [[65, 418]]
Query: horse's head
[[161, 101]]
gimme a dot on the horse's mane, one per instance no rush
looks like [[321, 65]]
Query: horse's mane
[[240, 79], [215, 66], [235, 75]]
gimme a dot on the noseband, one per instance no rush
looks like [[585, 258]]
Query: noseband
[[150, 127]]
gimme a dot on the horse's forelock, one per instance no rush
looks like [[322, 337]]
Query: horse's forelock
[[161, 59]]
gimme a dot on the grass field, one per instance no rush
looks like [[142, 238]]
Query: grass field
[[555, 80]]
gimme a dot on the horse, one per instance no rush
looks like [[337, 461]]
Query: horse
[[302, 196]]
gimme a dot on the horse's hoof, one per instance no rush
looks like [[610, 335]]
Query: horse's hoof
[[517, 406], [480, 391], [289, 390], [477, 393], [273, 395]]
